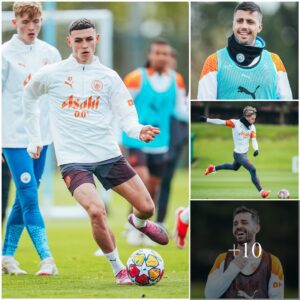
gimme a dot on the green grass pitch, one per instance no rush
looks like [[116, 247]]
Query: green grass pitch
[[214, 145], [82, 275]]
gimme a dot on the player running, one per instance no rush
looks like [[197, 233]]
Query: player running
[[22, 56], [242, 131], [84, 96]]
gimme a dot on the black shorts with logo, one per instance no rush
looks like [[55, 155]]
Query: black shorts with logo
[[110, 173]]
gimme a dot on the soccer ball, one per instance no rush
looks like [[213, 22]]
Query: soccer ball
[[145, 267], [284, 194]]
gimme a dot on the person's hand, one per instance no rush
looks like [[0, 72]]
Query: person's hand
[[202, 119], [240, 260], [34, 151], [148, 133], [255, 153]]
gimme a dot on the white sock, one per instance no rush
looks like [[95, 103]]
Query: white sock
[[185, 215], [114, 260], [139, 223]]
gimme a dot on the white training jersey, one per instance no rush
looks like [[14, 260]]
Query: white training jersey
[[19, 63], [240, 133], [83, 99]]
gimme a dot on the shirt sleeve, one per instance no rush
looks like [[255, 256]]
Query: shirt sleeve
[[34, 89], [283, 88], [276, 283], [216, 121], [253, 138], [181, 111], [208, 84], [219, 281], [5, 68], [123, 108]]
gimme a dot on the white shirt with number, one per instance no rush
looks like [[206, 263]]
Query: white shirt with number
[[19, 63], [83, 99]]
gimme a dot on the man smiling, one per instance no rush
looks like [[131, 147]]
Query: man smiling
[[247, 271], [244, 69]]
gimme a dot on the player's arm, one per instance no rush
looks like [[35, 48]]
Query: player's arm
[[228, 123], [35, 88], [5, 70], [133, 82], [276, 283], [219, 281], [123, 108], [283, 89], [208, 84], [181, 106], [254, 141]]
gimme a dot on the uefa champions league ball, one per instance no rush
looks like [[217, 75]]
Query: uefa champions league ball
[[283, 194], [145, 267]]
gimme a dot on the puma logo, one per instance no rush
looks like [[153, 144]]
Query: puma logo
[[241, 89], [243, 294]]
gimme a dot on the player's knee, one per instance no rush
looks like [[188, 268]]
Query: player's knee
[[97, 213]]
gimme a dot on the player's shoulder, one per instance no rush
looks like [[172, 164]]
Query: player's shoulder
[[133, 79], [220, 258], [276, 266], [179, 80], [7, 48], [210, 64], [277, 62], [231, 123], [44, 46]]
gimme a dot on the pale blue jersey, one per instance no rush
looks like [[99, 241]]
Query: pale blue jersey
[[249, 83], [155, 109]]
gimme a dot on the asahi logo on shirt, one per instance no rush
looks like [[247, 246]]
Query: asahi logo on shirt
[[81, 107]]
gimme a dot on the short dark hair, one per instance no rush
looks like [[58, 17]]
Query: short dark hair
[[81, 24], [248, 6], [244, 209], [159, 41]]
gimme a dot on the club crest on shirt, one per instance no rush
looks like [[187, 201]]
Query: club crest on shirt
[[97, 85]]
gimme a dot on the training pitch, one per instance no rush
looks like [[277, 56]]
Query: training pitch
[[82, 275]]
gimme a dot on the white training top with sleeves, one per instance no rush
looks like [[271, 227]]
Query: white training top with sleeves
[[83, 99], [19, 63], [240, 133]]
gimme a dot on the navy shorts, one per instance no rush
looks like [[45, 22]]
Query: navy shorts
[[110, 174]]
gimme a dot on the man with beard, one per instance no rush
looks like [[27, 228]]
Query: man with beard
[[248, 272], [242, 131], [244, 69]]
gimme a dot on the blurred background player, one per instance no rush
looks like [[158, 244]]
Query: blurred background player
[[178, 139], [181, 226], [242, 131], [90, 148], [245, 69], [22, 56], [156, 90], [240, 274]]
